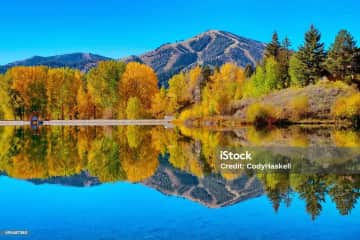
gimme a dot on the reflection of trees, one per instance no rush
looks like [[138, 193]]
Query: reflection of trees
[[131, 153], [138, 156], [65, 151], [103, 160], [61, 155], [344, 191], [27, 156]]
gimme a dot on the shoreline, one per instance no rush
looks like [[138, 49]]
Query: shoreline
[[95, 122]]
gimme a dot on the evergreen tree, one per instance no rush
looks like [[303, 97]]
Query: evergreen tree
[[249, 70], [273, 48], [341, 56], [356, 64], [311, 57], [356, 61], [284, 61]]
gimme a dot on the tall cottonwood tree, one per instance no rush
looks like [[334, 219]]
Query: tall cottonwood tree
[[28, 89], [138, 80], [62, 87], [103, 84]]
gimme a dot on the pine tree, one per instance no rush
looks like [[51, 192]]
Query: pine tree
[[341, 56], [284, 61], [356, 63], [249, 70], [273, 48], [311, 56]]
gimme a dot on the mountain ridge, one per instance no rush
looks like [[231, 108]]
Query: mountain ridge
[[213, 48], [78, 60]]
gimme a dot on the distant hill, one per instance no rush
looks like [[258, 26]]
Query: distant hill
[[212, 48], [82, 61]]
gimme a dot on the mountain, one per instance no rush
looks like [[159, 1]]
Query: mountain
[[212, 48], [82, 61]]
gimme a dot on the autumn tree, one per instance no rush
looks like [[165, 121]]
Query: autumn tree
[[62, 86], [6, 110], [86, 108], [134, 108], [179, 94], [226, 84], [138, 80], [160, 104], [28, 88], [103, 83]]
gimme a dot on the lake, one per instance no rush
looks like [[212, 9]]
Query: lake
[[133, 182]]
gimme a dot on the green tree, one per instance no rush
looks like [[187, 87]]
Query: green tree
[[341, 56], [284, 61], [273, 48], [248, 70], [272, 74], [103, 83], [296, 72], [311, 56]]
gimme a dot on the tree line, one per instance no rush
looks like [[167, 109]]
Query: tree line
[[282, 67], [115, 89], [206, 91], [64, 93]]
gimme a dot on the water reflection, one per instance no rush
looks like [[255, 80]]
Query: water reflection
[[176, 161]]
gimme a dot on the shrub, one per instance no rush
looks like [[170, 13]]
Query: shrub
[[261, 114], [347, 108], [300, 106]]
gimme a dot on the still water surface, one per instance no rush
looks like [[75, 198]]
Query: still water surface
[[156, 183]]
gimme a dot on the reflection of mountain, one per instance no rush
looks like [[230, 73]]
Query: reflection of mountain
[[212, 191], [82, 179]]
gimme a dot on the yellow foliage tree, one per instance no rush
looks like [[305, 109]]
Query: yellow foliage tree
[[138, 80]]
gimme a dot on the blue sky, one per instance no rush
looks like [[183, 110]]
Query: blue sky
[[120, 28]]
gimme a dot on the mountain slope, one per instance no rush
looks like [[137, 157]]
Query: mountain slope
[[82, 61], [212, 48]]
